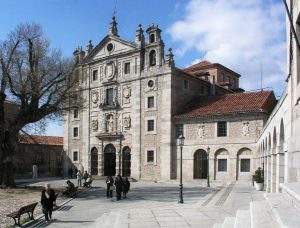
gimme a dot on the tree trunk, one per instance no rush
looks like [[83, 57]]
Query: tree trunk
[[2, 130]]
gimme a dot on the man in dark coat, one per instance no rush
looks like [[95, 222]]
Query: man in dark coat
[[109, 186], [47, 200], [126, 186], [119, 186]]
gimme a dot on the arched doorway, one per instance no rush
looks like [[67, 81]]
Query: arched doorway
[[94, 161], [109, 160], [200, 164], [126, 161]]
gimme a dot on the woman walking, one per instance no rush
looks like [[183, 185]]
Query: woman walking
[[47, 201]]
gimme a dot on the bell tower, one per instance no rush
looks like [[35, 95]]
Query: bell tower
[[154, 47]]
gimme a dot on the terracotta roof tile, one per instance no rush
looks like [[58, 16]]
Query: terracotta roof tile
[[41, 139], [198, 65], [248, 102]]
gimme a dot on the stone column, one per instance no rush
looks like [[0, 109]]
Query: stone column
[[265, 160], [268, 188], [100, 160], [279, 167], [273, 170]]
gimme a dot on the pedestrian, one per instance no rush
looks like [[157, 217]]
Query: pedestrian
[[79, 178], [85, 176], [47, 200], [126, 186], [109, 186], [119, 186]]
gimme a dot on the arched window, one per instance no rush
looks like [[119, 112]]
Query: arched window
[[152, 38], [152, 58]]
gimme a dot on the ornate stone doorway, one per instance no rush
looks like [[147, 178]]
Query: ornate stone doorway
[[126, 161], [109, 160], [200, 164], [94, 161]]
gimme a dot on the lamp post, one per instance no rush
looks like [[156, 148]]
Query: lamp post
[[208, 150], [181, 143]]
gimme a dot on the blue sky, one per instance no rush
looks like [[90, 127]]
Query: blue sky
[[242, 35]]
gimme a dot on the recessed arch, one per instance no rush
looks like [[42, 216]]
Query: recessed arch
[[221, 164], [109, 160], [200, 164], [274, 138], [126, 161], [152, 58], [244, 163]]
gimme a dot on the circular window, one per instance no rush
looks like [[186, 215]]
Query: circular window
[[150, 83], [110, 47]]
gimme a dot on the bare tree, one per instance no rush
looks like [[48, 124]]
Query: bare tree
[[35, 78]]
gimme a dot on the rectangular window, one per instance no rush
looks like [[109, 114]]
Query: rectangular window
[[150, 125], [178, 130], [95, 75], [127, 68], [110, 96], [245, 165], [75, 156], [76, 113], [75, 132], [150, 102], [150, 155], [185, 84], [222, 165], [222, 128]]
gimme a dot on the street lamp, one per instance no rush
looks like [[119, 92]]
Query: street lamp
[[208, 150], [181, 143]]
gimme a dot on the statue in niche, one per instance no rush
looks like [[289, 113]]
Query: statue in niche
[[245, 129], [127, 122], [201, 131], [95, 97], [110, 123], [95, 125], [126, 94]]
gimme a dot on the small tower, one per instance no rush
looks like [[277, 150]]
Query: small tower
[[113, 29], [154, 47], [139, 36]]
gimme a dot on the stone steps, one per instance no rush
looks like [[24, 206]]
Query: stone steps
[[242, 219], [287, 215], [261, 215], [228, 222]]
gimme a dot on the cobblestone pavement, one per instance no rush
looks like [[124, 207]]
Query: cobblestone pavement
[[154, 205]]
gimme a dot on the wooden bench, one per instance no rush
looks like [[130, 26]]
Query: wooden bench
[[28, 209]]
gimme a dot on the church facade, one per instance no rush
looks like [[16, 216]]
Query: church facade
[[136, 102]]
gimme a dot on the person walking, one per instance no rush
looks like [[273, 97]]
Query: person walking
[[85, 176], [79, 178], [126, 186], [119, 186], [47, 200], [109, 186]]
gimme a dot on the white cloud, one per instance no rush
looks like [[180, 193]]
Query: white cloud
[[238, 34]]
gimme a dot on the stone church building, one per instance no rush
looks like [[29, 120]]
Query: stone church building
[[136, 103]]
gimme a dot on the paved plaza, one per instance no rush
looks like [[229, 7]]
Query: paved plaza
[[154, 205]]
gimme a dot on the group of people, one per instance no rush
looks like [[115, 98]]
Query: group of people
[[119, 184], [85, 176]]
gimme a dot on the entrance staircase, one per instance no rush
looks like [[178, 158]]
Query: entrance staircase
[[278, 210]]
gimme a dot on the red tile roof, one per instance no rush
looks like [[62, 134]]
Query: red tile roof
[[203, 63], [42, 139], [248, 102], [194, 69]]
